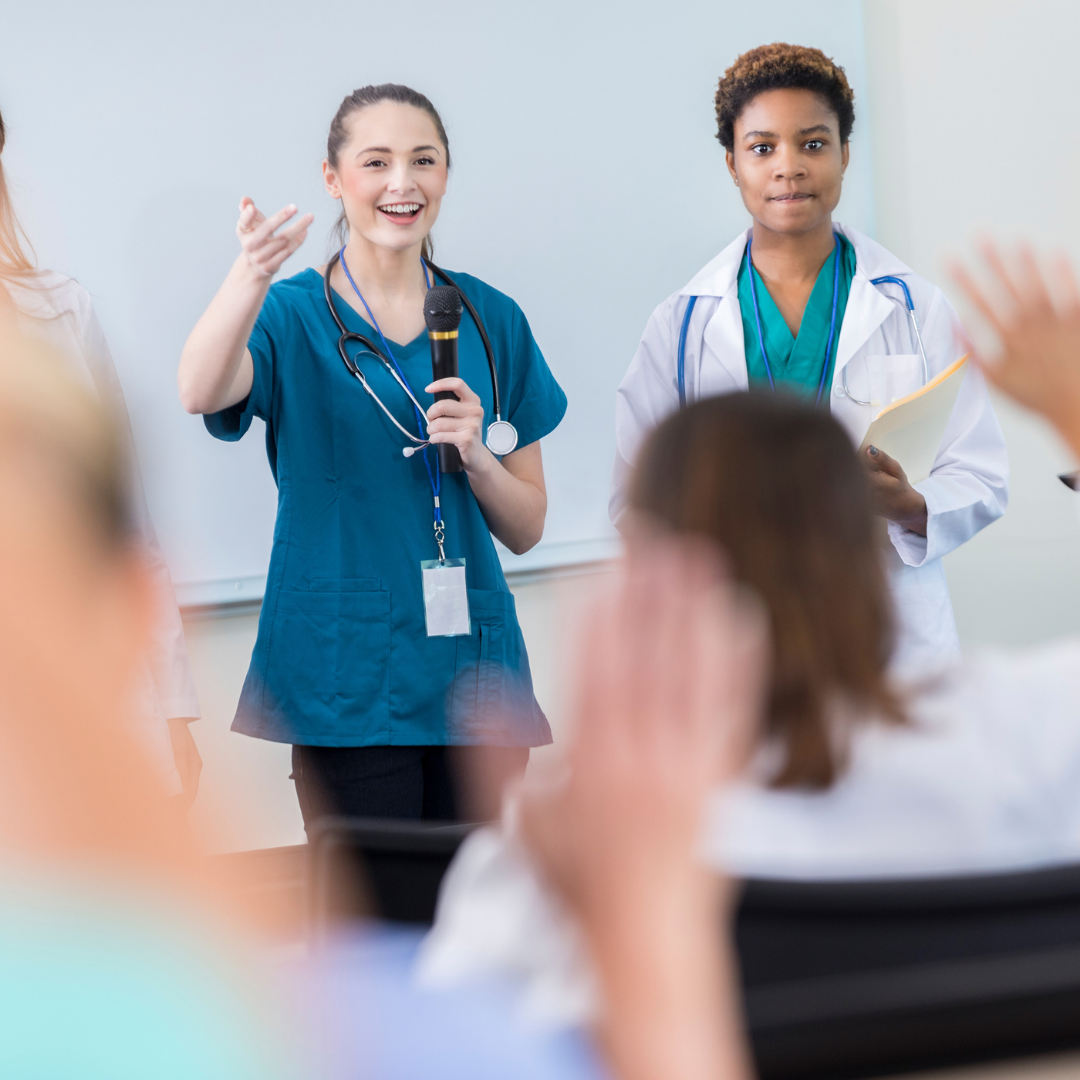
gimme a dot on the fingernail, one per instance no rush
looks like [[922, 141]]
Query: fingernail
[[292, 206], [873, 451]]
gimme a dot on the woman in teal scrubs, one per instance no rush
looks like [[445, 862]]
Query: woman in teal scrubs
[[343, 667], [801, 361]]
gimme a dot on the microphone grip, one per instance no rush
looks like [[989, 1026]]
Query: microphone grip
[[444, 365]]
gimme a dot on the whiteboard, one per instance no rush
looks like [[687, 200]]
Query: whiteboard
[[587, 184]]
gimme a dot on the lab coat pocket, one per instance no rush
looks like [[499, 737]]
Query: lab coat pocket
[[885, 379], [492, 699]]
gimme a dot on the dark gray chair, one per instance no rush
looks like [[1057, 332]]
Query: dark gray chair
[[850, 979]]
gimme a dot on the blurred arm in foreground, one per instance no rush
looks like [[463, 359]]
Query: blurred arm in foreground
[[1035, 317], [666, 708]]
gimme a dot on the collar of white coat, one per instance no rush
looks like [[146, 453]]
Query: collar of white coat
[[867, 306]]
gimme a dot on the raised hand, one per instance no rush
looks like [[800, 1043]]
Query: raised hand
[[264, 248], [1038, 332], [667, 708]]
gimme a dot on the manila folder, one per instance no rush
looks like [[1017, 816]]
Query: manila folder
[[911, 429]]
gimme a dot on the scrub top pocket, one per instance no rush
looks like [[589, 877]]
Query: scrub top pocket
[[492, 700], [329, 657]]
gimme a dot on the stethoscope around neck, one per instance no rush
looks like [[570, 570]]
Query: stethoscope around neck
[[502, 436], [909, 305], [887, 279]]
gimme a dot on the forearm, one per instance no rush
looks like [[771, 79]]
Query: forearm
[[1071, 435], [1066, 419], [513, 509], [212, 373], [671, 1006]]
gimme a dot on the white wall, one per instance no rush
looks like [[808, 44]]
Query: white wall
[[972, 116], [974, 123], [587, 184]]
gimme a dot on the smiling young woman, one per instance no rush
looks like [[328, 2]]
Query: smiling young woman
[[344, 667], [802, 304]]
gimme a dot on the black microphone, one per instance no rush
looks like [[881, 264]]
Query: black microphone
[[442, 313]]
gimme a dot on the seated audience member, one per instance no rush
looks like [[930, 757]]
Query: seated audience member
[[50, 307], [122, 956], [112, 966], [973, 768]]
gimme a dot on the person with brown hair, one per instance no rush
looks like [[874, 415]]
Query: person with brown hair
[[47, 306], [374, 698], [801, 302], [855, 773]]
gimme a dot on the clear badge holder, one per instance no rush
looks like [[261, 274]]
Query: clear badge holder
[[446, 599]]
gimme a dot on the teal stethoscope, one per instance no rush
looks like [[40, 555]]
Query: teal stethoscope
[[887, 279]]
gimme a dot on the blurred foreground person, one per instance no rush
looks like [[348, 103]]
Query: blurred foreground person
[[854, 775], [667, 707], [124, 958], [114, 963], [47, 306]]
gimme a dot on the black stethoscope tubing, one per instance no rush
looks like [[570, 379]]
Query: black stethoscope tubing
[[350, 335]]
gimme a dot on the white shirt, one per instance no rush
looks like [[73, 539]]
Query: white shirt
[[58, 310], [985, 778], [968, 487]]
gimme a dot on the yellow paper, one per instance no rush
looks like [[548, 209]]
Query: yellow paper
[[911, 429]]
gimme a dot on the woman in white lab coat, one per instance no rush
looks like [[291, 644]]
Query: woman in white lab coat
[[791, 303], [47, 306]]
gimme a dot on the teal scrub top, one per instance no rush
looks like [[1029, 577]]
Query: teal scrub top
[[796, 361], [342, 656]]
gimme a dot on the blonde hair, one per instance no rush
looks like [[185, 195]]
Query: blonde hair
[[14, 261], [46, 412]]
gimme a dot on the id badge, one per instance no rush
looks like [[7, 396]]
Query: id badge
[[446, 601]]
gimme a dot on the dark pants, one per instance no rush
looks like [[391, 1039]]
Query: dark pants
[[435, 783]]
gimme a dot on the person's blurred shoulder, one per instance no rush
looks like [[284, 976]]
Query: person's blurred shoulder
[[48, 294]]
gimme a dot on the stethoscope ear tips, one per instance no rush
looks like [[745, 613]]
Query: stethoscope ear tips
[[408, 451]]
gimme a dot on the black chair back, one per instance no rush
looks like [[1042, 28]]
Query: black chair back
[[840, 979]]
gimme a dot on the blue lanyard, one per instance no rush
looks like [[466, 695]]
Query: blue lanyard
[[434, 476], [832, 322]]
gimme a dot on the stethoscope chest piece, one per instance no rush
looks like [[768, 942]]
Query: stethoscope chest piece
[[502, 437]]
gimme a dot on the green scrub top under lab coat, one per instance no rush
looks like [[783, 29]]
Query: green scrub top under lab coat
[[796, 362], [342, 656]]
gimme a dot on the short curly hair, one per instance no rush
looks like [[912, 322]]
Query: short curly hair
[[777, 67]]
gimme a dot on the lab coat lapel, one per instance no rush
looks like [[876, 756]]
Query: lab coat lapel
[[723, 335], [723, 338], [867, 306]]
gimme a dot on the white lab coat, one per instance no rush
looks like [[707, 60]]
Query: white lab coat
[[58, 310], [986, 778], [968, 487]]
